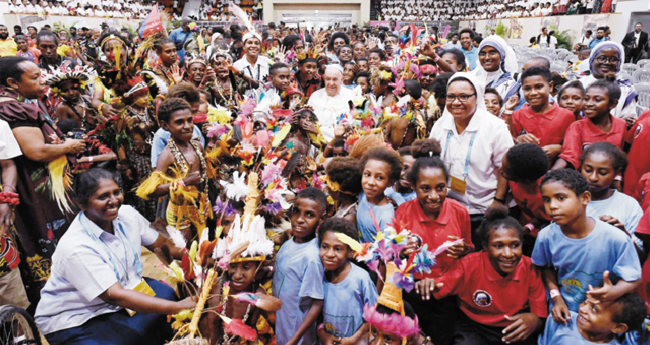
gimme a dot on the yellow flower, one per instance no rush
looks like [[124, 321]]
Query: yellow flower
[[385, 75]]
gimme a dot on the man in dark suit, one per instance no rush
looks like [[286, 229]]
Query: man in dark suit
[[636, 44]]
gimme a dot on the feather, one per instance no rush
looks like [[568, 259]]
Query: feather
[[264, 302], [177, 237], [193, 248], [279, 137], [186, 265], [238, 327], [262, 138], [241, 15], [205, 249], [148, 186], [354, 245], [446, 31], [446, 246], [61, 183]]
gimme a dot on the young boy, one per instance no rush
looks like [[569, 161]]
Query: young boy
[[280, 76], [347, 287], [298, 277], [540, 122], [75, 106], [577, 252], [597, 322]]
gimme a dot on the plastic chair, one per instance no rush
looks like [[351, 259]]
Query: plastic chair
[[643, 100], [641, 75], [624, 75], [645, 63], [629, 67], [559, 68]]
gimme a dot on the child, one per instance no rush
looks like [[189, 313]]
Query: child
[[344, 186], [600, 164], [298, 277], [363, 64], [571, 97], [639, 151], [523, 166], [601, 97], [380, 168], [403, 185], [181, 170], [493, 101], [338, 148], [597, 322], [539, 121], [280, 76], [349, 75], [576, 251], [344, 54], [499, 291], [363, 81], [375, 58], [96, 151], [24, 50], [347, 287]]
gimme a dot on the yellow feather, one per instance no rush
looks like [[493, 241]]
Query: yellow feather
[[354, 245], [61, 182], [279, 137], [148, 186]]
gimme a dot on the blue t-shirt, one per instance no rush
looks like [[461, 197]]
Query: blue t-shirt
[[407, 196], [160, 140], [582, 262], [555, 334], [639, 337], [383, 214], [297, 279], [180, 36], [622, 207], [343, 306], [471, 56]]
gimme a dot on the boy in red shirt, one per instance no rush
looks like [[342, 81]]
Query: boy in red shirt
[[638, 156], [540, 121]]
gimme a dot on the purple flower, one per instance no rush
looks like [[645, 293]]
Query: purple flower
[[273, 208]]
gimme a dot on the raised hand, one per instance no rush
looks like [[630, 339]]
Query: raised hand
[[426, 287], [176, 74]]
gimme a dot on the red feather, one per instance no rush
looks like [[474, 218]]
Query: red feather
[[237, 327], [374, 220], [186, 265]]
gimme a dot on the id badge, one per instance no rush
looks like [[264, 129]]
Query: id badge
[[144, 288], [458, 185]]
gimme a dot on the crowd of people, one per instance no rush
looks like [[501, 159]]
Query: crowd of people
[[343, 186], [128, 9], [492, 9]]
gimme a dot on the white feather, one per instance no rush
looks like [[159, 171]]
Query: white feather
[[239, 13], [177, 237]]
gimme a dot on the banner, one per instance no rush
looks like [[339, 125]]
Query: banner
[[516, 29], [152, 24], [33, 20], [593, 22]]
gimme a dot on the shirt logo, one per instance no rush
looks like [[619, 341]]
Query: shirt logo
[[639, 129], [482, 298]]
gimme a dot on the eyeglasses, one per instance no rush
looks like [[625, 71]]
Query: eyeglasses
[[605, 59], [491, 53], [461, 98]]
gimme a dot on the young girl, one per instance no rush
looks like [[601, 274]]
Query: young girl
[[403, 185], [601, 97], [344, 54], [600, 164], [348, 288], [433, 219], [380, 168], [493, 101], [495, 287], [23, 48], [375, 58], [571, 97], [344, 186], [362, 79], [349, 75]]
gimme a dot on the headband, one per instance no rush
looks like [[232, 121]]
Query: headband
[[250, 35], [112, 37]]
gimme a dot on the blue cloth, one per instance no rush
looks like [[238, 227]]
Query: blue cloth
[[383, 214], [622, 207], [298, 279], [555, 334], [595, 42], [179, 36], [84, 267], [407, 197], [641, 337], [351, 86], [120, 328], [160, 140], [343, 306], [582, 262], [471, 56], [450, 45]]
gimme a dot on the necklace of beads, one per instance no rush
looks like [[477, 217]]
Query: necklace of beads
[[227, 340], [182, 163]]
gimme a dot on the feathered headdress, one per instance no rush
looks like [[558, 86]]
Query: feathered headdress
[[308, 54], [243, 17], [80, 74]]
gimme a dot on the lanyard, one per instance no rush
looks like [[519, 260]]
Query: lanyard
[[251, 72], [469, 150], [136, 259]]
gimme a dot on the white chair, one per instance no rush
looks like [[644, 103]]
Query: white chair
[[629, 67], [557, 67], [643, 100], [642, 75], [643, 63], [624, 75]]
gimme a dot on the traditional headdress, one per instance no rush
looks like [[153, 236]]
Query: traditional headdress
[[310, 54], [80, 74], [243, 17]]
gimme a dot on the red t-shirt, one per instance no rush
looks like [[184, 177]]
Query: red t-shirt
[[549, 127], [530, 204], [639, 155], [583, 133], [644, 228], [642, 192], [453, 220], [485, 296]]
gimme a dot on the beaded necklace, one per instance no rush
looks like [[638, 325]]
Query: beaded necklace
[[181, 162], [227, 340]]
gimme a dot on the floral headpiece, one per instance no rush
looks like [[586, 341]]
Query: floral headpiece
[[112, 37], [80, 74]]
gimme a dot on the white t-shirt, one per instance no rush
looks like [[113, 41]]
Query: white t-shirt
[[9, 147]]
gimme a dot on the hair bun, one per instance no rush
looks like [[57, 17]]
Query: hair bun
[[425, 148], [610, 76], [498, 211]]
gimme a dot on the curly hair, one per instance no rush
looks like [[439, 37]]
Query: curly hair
[[345, 171], [617, 158], [427, 155], [186, 91], [316, 195], [169, 106], [439, 85], [378, 51], [340, 225], [608, 84], [631, 310], [330, 44], [86, 183], [526, 162], [497, 217], [386, 155], [570, 178]]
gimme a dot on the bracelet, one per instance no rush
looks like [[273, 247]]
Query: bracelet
[[503, 201], [554, 293], [9, 198], [99, 110], [530, 226], [321, 326], [618, 178], [91, 159], [507, 112], [8, 185]]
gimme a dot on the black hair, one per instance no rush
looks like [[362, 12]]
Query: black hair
[[632, 311], [537, 71], [582, 49], [439, 85], [9, 69], [86, 183], [345, 171], [496, 93], [271, 25], [570, 178], [46, 33], [276, 66], [608, 83], [574, 84], [289, 41], [427, 155], [316, 195], [458, 55], [161, 42], [66, 125], [405, 151], [186, 91], [362, 59], [413, 88], [379, 52], [617, 157], [338, 142], [383, 154], [551, 33], [497, 217], [601, 28], [20, 37], [589, 32], [169, 106], [533, 40], [340, 225], [338, 34], [362, 74], [408, 310], [527, 162], [540, 61], [478, 39]]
